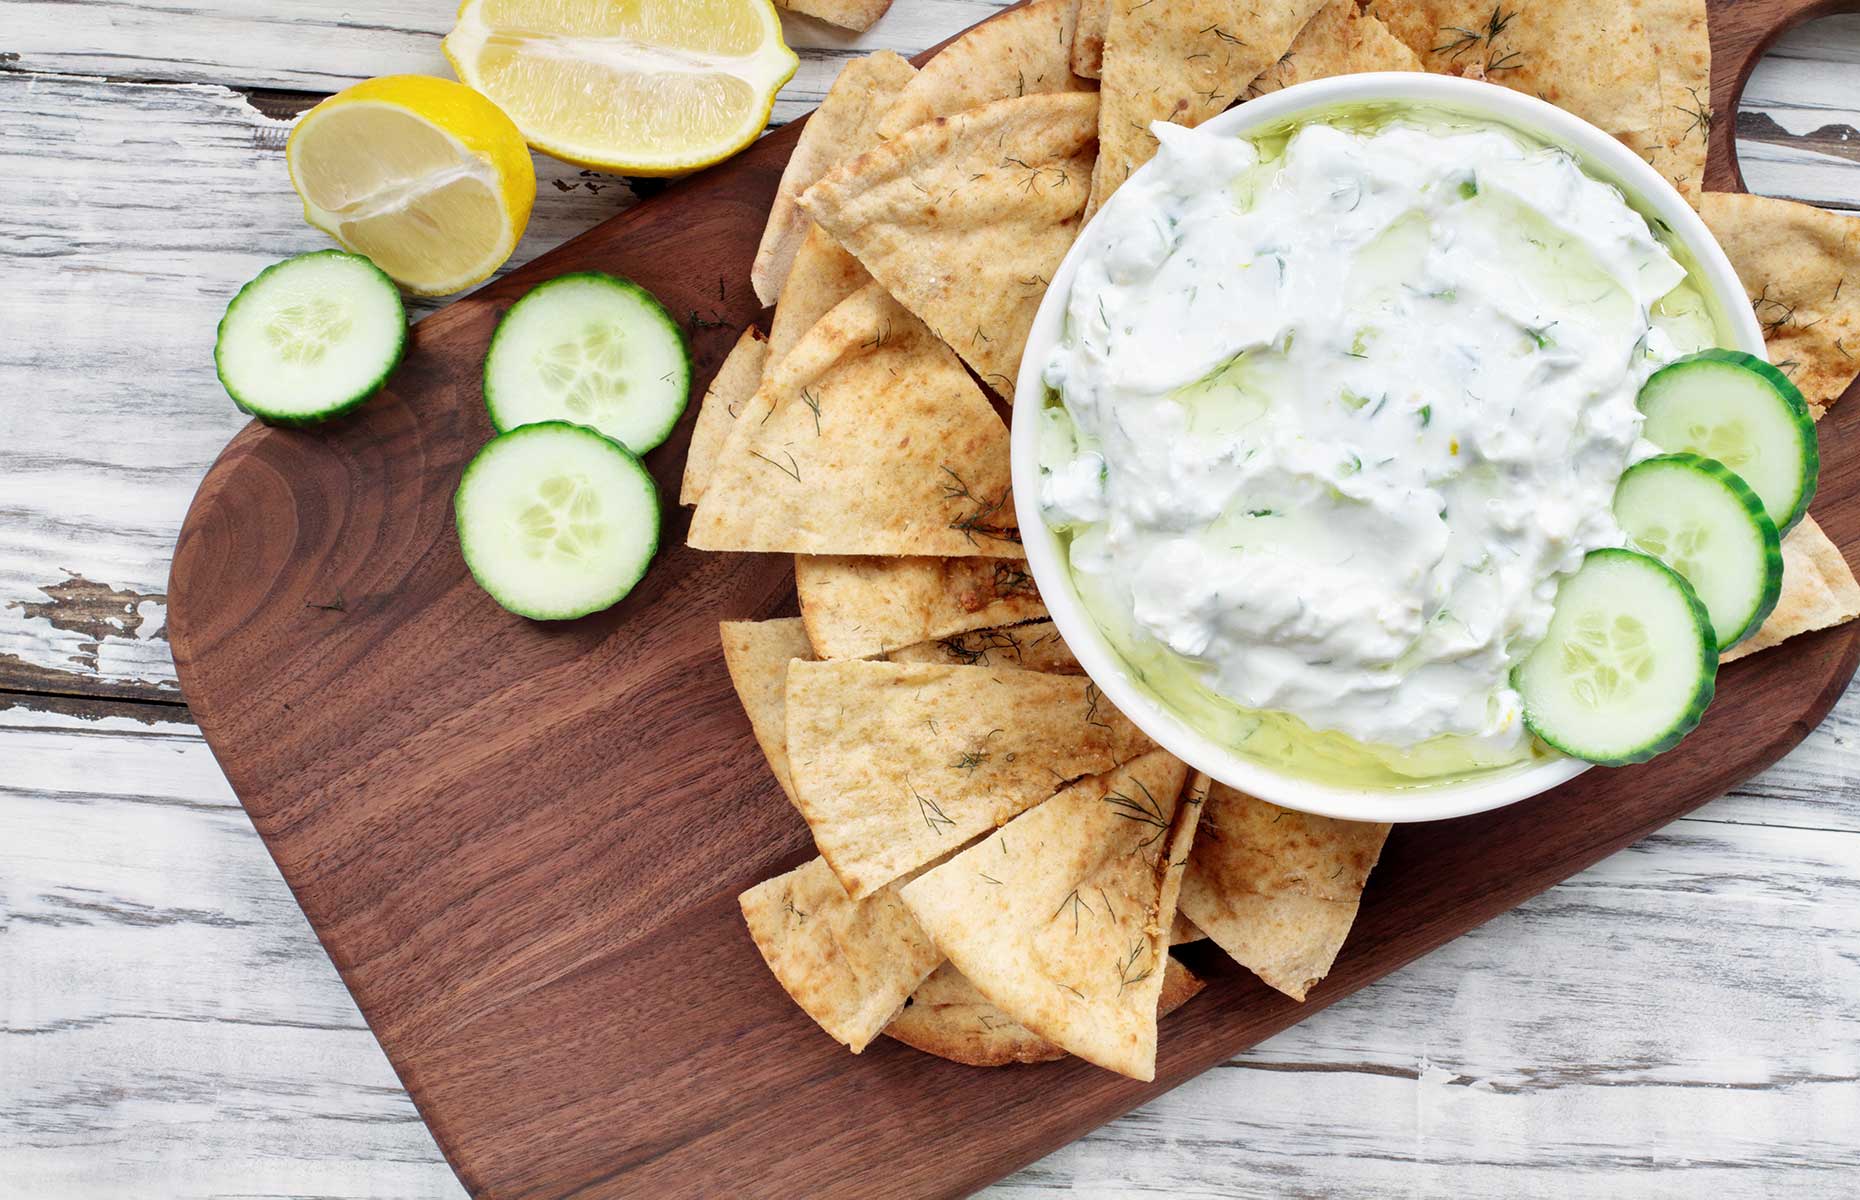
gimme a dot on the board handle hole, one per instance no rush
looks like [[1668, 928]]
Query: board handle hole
[[1790, 141]]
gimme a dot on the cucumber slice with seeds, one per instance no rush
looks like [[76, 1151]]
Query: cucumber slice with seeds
[[1628, 665], [1699, 518], [556, 520], [594, 349], [1740, 410], [310, 338]]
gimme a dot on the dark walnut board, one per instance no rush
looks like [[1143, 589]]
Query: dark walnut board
[[522, 844]]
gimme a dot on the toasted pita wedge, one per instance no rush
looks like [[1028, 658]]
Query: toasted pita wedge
[[1801, 266], [1022, 52], [896, 763], [1341, 39], [1061, 917], [1035, 646], [822, 275], [870, 439], [965, 217], [1184, 930], [1640, 69], [734, 384], [757, 654], [1088, 38], [844, 125], [860, 606], [847, 14], [1277, 889], [947, 1017], [1183, 61], [1818, 591], [849, 965]]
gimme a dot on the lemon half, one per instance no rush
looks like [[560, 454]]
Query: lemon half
[[424, 176], [638, 87]]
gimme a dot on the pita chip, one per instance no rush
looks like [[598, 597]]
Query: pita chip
[[1277, 889], [757, 654], [859, 606], [849, 964], [1035, 646], [1184, 62], [1088, 38], [1021, 52], [844, 124], [1801, 267], [823, 274], [870, 439], [964, 218], [895, 764], [734, 384], [859, 15], [947, 1017], [1061, 917], [1818, 591], [1341, 39], [1639, 69], [1184, 930]]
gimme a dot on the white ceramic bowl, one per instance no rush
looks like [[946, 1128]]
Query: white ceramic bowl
[[1603, 157]]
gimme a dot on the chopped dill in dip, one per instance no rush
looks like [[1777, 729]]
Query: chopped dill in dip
[[1332, 414]]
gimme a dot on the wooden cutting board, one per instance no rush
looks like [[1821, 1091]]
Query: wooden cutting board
[[522, 844]]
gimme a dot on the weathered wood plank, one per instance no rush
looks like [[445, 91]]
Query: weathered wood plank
[[323, 45], [93, 499], [169, 1026], [1680, 1014], [130, 214], [168, 1023]]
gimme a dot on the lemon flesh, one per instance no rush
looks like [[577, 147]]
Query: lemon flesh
[[424, 176], [651, 87]]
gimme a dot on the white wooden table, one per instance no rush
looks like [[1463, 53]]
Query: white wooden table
[[1683, 1019]]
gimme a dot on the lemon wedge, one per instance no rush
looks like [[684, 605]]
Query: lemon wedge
[[642, 87], [424, 176]]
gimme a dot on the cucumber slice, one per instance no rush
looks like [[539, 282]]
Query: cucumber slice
[[1627, 666], [594, 349], [311, 338], [556, 520], [1738, 409], [1699, 518]]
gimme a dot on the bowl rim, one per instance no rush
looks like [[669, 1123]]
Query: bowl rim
[[1601, 156]]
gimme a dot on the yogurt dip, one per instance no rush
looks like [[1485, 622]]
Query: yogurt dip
[[1334, 411]]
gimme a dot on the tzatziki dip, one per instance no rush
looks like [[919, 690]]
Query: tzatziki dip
[[1334, 411]]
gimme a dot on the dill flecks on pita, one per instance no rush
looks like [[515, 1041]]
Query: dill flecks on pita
[[1092, 696], [1075, 903], [972, 759], [1701, 115], [1011, 581], [792, 470], [978, 521], [1126, 965], [813, 403], [933, 816], [1771, 314], [1143, 812], [1463, 40]]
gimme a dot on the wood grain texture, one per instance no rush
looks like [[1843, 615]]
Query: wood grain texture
[[1669, 1020], [522, 845], [1677, 1017]]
